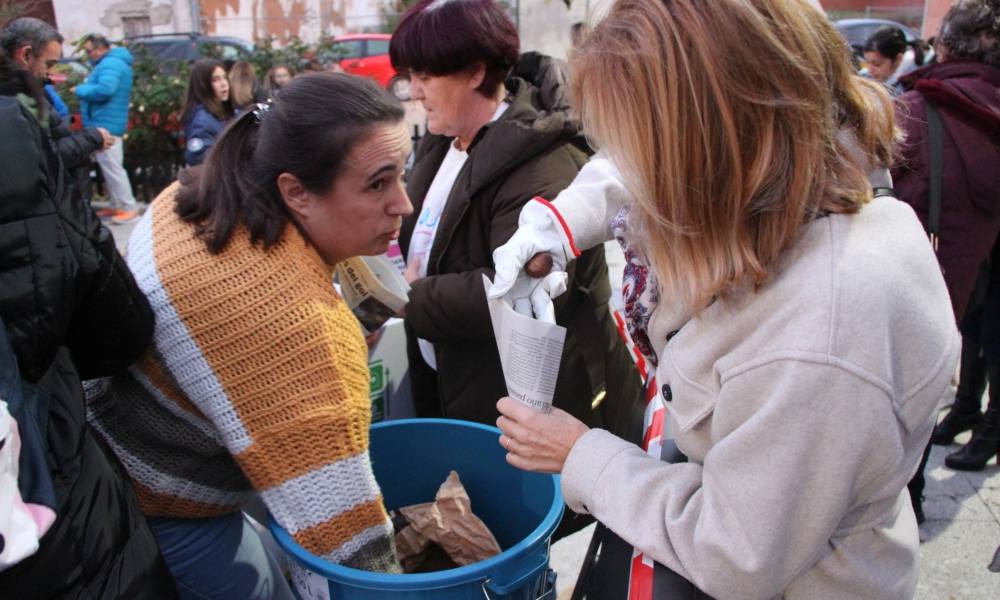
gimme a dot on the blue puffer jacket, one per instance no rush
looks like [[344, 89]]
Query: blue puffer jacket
[[104, 97], [200, 131]]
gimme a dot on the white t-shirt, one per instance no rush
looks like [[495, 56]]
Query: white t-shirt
[[430, 217]]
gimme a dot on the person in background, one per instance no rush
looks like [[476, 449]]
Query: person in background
[[800, 325], [104, 102], [244, 89], [207, 108], [313, 66], [889, 56], [278, 77], [72, 311], [35, 46], [964, 88], [495, 142], [257, 383]]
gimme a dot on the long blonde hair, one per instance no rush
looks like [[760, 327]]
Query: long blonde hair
[[723, 116]]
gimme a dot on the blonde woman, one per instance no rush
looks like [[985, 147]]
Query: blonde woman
[[246, 90], [800, 329]]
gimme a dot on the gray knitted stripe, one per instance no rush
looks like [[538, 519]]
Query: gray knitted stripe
[[200, 423], [378, 556], [162, 484], [161, 440]]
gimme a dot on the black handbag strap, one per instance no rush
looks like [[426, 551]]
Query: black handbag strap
[[935, 144]]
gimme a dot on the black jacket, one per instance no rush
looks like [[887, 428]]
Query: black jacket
[[533, 149], [72, 310], [74, 147]]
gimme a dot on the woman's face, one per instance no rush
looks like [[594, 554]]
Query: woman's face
[[281, 76], [446, 98], [880, 66], [364, 210], [220, 84]]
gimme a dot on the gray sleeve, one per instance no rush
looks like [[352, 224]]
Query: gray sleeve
[[773, 488]]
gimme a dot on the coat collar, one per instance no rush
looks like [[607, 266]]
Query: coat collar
[[968, 89]]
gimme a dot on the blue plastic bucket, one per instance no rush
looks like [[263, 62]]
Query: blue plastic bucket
[[411, 459]]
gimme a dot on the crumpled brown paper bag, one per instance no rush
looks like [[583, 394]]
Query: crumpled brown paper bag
[[447, 522]]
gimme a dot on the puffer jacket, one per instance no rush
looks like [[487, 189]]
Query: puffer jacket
[[533, 149], [74, 147], [200, 132], [967, 96], [104, 97], [72, 310]]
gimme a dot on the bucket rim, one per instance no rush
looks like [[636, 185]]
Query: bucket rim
[[478, 571]]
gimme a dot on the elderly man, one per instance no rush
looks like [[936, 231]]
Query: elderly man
[[104, 100], [36, 46]]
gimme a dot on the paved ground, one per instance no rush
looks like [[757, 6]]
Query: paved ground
[[960, 535]]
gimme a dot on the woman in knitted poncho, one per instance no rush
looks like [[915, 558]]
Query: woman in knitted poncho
[[257, 382]]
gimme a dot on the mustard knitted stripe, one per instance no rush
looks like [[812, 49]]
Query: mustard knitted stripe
[[283, 345], [325, 538]]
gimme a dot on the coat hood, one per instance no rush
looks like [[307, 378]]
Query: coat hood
[[118, 53], [538, 118], [967, 95], [549, 75], [968, 90]]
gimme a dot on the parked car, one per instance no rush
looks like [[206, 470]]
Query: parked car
[[365, 54], [189, 47], [857, 32]]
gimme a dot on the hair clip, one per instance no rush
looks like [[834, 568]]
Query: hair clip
[[259, 110]]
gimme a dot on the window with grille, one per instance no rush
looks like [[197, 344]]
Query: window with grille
[[135, 25]]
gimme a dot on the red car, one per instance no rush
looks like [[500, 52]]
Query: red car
[[366, 54]]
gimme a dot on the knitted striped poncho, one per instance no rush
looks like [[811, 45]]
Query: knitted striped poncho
[[257, 383]]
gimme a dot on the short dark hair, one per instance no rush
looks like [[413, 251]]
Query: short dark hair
[[443, 37], [97, 40], [971, 30], [28, 31], [890, 42], [309, 130]]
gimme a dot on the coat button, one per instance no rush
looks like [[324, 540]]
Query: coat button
[[668, 395]]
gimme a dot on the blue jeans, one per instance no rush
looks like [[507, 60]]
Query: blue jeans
[[218, 559]]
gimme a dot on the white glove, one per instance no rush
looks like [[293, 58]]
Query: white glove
[[540, 230]]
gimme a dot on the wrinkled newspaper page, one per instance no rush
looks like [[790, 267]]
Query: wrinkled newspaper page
[[373, 288], [530, 353]]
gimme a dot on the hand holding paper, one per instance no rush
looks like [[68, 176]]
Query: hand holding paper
[[530, 352], [536, 441]]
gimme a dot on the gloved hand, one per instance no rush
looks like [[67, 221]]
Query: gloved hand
[[540, 230]]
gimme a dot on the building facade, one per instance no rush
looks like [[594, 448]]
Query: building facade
[[247, 19]]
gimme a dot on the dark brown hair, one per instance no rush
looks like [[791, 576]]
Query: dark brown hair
[[971, 30], [443, 37], [890, 42], [199, 92], [308, 131]]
